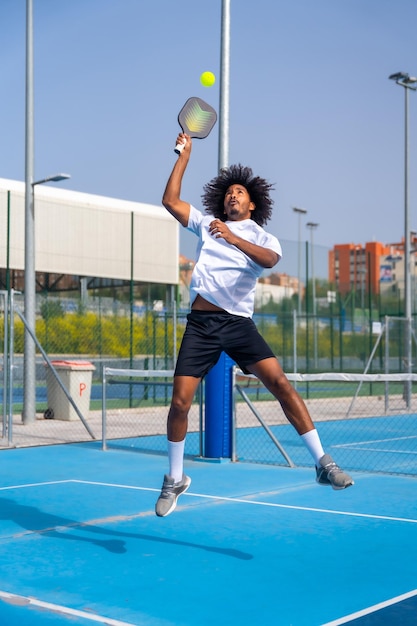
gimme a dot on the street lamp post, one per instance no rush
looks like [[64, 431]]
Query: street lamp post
[[299, 212], [406, 81], [28, 414], [312, 226], [29, 362]]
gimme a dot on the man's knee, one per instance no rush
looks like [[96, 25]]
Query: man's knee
[[179, 407], [280, 386]]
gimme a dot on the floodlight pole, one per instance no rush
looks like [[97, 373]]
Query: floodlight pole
[[29, 363], [299, 212], [406, 81], [219, 414], [223, 158]]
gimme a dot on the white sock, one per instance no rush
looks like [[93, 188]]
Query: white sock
[[313, 443], [176, 459]]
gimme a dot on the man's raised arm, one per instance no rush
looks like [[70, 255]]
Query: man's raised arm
[[171, 198]]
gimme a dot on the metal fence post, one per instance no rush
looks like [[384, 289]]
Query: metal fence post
[[5, 360]]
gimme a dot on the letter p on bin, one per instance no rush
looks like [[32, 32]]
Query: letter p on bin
[[76, 376]]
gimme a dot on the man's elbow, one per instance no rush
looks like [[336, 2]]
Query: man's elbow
[[167, 202], [272, 260]]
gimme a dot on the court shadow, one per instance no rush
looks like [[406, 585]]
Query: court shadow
[[36, 521]]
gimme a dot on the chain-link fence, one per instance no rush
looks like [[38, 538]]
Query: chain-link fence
[[134, 412], [77, 339], [73, 344], [365, 420]]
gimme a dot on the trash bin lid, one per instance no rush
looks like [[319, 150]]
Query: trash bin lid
[[73, 365]]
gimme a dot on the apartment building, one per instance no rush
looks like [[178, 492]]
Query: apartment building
[[374, 267]]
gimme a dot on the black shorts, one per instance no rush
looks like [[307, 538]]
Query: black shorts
[[209, 333]]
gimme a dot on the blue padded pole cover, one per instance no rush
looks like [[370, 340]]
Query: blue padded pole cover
[[218, 409]]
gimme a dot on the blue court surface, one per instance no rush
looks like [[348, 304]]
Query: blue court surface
[[248, 544]]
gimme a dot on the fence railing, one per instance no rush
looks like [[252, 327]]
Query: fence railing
[[382, 402], [363, 419]]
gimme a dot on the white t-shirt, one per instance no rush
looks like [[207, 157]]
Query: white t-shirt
[[223, 274]]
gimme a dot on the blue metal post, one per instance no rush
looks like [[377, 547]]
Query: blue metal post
[[219, 409]]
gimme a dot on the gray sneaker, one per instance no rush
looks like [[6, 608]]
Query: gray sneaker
[[328, 473], [167, 501]]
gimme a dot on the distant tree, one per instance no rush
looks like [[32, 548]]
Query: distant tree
[[51, 308]]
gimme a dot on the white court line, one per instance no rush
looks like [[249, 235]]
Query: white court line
[[228, 499], [359, 443], [259, 503], [50, 482], [372, 609], [384, 450], [17, 600]]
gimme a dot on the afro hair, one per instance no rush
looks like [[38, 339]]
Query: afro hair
[[258, 188]]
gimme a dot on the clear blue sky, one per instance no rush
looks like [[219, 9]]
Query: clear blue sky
[[311, 105]]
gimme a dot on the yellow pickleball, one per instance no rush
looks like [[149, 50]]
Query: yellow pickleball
[[207, 79]]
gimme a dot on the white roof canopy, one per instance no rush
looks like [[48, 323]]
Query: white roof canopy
[[88, 235]]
